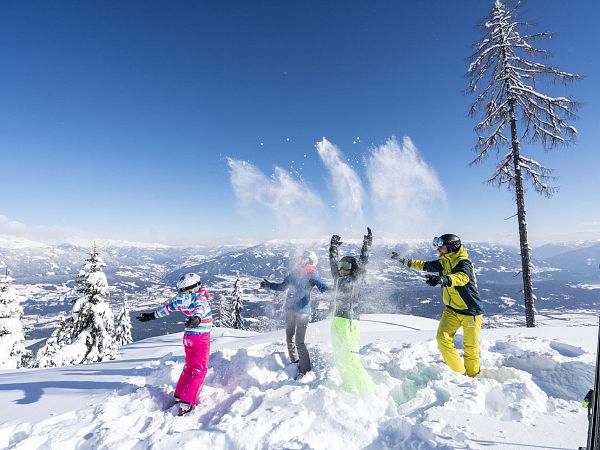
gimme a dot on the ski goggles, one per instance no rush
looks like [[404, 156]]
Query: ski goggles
[[344, 265], [438, 242]]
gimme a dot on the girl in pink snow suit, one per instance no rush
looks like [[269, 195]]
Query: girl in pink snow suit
[[193, 301]]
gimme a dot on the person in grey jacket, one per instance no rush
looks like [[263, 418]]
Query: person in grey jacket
[[299, 283]]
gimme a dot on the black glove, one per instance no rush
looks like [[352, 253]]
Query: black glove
[[368, 238], [265, 284], [397, 257], [192, 322], [145, 317], [434, 280], [335, 241]]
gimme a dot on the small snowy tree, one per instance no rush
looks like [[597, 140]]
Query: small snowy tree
[[57, 352], [237, 307], [12, 338], [86, 336], [93, 321], [514, 109], [123, 329], [224, 313]]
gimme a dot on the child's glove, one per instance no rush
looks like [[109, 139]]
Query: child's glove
[[265, 284], [192, 322], [145, 317]]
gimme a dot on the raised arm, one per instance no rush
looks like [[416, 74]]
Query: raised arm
[[365, 250], [333, 255]]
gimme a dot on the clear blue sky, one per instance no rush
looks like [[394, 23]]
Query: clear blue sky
[[117, 118]]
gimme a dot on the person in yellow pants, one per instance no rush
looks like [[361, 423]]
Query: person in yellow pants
[[349, 278], [345, 339], [456, 276]]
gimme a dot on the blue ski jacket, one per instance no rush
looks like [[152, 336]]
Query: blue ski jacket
[[299, 284]]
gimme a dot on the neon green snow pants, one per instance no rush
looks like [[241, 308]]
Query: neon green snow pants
[[449, 325], [345, 337]]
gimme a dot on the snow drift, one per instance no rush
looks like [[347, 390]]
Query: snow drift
[[528, 394]]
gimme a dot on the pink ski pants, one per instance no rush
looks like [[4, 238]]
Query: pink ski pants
[[197, 353]]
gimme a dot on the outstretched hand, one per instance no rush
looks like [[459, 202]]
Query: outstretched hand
[[145, 317], [397, 257]]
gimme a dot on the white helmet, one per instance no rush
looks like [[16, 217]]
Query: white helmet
[[312, 256], [189, 281]]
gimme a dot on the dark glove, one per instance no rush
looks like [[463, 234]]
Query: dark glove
[[335, 241], [265, 284], [145, 317], [368, 238], [434, 280], [397, 257], [192, 322]]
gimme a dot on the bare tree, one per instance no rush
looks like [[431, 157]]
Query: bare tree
[[503, 64]]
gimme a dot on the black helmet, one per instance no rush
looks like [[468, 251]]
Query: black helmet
[[451, 241]]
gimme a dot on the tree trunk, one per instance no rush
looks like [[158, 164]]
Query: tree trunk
[[524, 244]]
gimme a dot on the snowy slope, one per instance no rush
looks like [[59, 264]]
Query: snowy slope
[[528, 395]]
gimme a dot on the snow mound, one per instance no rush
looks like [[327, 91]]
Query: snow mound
[[528, 394]]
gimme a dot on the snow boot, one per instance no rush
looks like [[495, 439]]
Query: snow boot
[[184, 408]]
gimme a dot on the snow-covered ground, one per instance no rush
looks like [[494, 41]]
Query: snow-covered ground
[[528, 395]]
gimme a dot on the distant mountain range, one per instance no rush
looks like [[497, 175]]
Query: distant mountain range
[[566, 277]]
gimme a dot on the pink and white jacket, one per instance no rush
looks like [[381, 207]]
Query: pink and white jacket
[[195, 304]]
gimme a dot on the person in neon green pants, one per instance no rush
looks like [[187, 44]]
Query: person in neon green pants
[[349, 276], [456, 276]]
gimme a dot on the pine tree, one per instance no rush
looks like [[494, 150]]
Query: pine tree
[[237, 307], [224, 313], [13, 353], [123, 329], [87, 335], [56, 352], [92, 318], [503, 64]]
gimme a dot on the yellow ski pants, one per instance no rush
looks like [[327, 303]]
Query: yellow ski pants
[[449, 325], [345, 337]]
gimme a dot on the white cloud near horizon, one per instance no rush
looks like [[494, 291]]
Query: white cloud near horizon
[[344, 181], [406, 195], [297, 210], [38, 233]]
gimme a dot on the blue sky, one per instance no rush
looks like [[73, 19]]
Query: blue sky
[[117, 120]]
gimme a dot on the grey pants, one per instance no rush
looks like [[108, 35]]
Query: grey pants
[[295, 331]]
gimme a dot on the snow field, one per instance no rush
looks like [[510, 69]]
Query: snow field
[[528, 394]]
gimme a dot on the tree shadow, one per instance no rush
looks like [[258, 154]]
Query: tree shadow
[[34, 391]]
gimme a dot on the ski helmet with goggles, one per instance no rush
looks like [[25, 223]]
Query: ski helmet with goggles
[[451, 241], [312, 256], [348, 263], [189, 281]]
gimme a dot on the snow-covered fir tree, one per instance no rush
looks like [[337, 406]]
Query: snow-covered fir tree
[[123, 328], [13, 353], [224, 312], [87, 335], [57, 352], [506, 77], [93, 321], [236, 305]]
